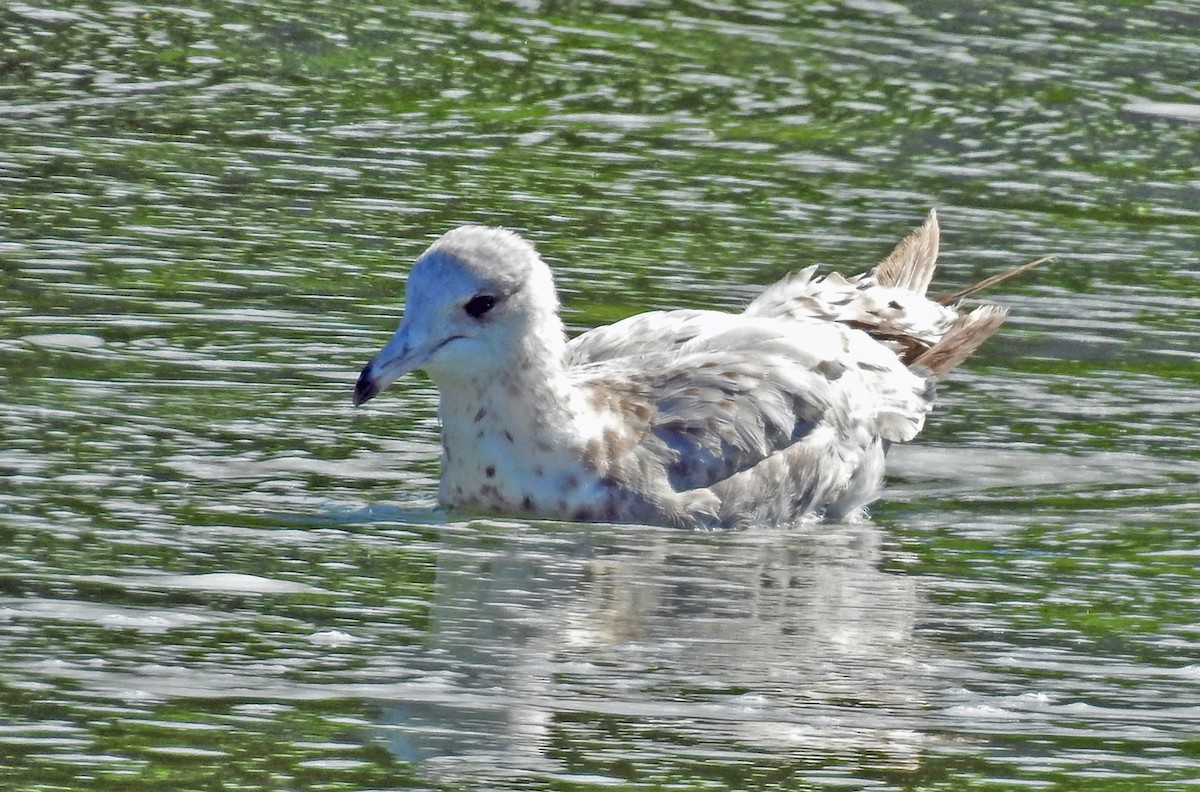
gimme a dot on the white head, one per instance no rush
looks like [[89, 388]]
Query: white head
[[480, 301]]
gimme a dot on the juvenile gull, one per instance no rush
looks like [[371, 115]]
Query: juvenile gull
[[687, 418]]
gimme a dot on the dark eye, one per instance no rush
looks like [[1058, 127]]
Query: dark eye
[[480, 304]]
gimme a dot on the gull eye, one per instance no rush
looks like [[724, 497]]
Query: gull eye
[[480, 304]]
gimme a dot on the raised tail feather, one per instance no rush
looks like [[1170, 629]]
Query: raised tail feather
[[910, 266], [991, 280], [966, 335], [890, 304]]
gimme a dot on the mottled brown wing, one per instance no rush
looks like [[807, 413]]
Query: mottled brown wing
[[655, 332], [726, 400]]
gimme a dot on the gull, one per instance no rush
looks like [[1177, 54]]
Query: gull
[[779, 414]]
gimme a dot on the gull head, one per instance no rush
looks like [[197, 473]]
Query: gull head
[[478, 302]]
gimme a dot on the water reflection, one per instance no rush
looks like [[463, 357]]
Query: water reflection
[[763, 644]]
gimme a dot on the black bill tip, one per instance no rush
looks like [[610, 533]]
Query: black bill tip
[[365, 389]]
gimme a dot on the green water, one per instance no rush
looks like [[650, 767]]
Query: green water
[[216, 574]]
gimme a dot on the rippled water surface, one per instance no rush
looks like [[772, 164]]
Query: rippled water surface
[[216, 574]]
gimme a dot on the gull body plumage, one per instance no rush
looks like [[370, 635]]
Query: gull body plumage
[[688, 418]]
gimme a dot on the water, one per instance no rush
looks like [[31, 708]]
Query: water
[[215, 573]]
